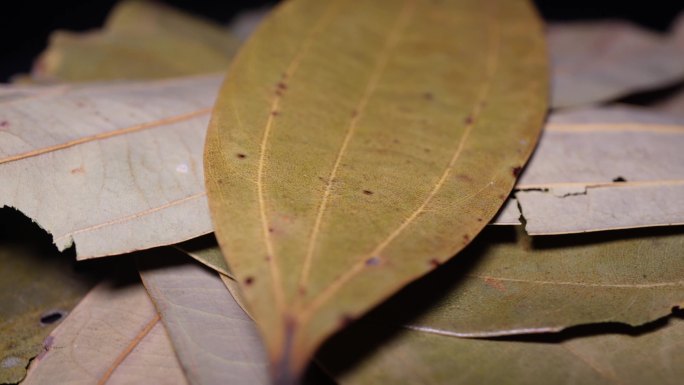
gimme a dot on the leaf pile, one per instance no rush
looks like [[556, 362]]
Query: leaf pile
[[297, 223]]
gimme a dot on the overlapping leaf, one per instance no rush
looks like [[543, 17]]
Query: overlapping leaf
[[49, 288], [141, 40], [599, 61], [413, 357], [216, 342], [113, 168], [113, 336], [602, 169], [353, 148]]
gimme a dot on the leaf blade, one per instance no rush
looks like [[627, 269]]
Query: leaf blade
[[283, 232]]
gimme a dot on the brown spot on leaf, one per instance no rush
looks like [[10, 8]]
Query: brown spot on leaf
[[282, 86], [271, 230], [428, 96], [275, 113], [502, 197], [241, 156], [468, 120], [466, 237], [368, 192], [4, 123], [249, 281], [516, 171], [435, 262], [479, 219], [78, 170], [346, 319]]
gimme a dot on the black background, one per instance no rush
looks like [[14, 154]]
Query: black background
[[26, 25]]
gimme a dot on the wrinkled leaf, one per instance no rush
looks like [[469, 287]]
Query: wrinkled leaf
[[216, 342], [602, 169], [353, 148], [413, 357], [599, 61], [111, 167], [141, 40], [113, 336], [37, 289]]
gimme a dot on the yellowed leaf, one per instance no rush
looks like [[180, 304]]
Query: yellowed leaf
[[111, 167], [599, 61], [601, 169], [353, 148], [113, 336], [215, 340]]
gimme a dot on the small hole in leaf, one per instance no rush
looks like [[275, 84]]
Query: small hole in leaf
[[619, 179], [51, 317]]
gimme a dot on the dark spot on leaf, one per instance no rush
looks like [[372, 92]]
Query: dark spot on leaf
[[426, 149], [372, 261], [268, 258], [4, 123], [282, 86], [479, 219], [271, 230], [619, 179], [241, 156], [429, 96], [516, 171], [51, 317], [466, 237], [368, 192], [346, 319], [468, 120], [502, 197], [395, 141], [275, 113], [249, 281], [354, 113], [435, 262]]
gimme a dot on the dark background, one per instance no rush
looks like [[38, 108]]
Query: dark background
[[26, 25]]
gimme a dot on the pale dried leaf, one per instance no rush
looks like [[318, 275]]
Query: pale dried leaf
[[216, 341], [111, 167], [599, 61], [602, 169], [113, 336]]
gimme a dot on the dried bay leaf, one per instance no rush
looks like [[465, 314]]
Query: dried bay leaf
[[37, 289], [602, 169], [113, 336], [205, 250], [414, 357], [599, 61], [341, 165], [215, 340], [518, 285], [141, 40], [111, 167]]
